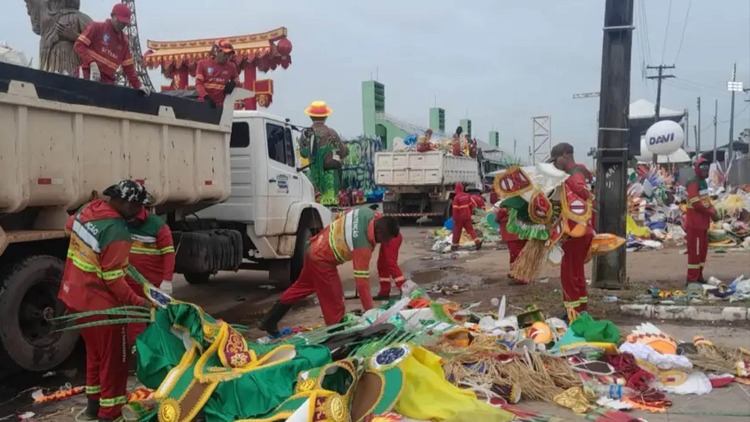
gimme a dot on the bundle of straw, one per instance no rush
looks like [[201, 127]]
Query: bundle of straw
[[529, 264], [717, 358]]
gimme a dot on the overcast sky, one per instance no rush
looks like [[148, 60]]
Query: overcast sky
[[500, 62]]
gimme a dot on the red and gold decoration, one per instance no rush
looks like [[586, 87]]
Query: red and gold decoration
[[254, 52]]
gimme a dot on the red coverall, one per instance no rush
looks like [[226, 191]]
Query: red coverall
[[109, 49], [697, 221], [462, 211], [515, 245], [152, 254], [351, 237], [576, 249], [456, 146], [388, 266], [94, 280], [212, 77]]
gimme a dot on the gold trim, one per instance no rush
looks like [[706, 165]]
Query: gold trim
[[272, 35], [169, 411]]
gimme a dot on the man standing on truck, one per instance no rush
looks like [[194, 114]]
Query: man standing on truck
[[462, 213], [575, 249], [103, 47], [151, 254], [698, 219], [94, 280], [216, 77], [350, 237]]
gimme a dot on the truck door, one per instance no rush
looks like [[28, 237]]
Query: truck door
[[284, 184]]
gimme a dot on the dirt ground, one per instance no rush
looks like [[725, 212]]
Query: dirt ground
[[243, 297]]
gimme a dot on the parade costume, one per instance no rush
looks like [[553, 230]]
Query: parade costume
[[462, 213], [94, 280], [697, 222], [213, 80], [351, 237], [513, 242], [577, 211], [152, 254], [388, 267], [101, 44]]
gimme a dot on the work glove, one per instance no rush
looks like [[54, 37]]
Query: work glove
[[166, 287], [94, 73], [144, 91], [210, 101], [229, 87]]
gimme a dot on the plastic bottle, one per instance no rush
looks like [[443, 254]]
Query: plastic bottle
[[613, 391]]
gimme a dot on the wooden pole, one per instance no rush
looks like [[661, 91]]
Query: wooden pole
[[612, 146]]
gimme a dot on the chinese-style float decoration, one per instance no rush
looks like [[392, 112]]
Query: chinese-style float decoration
[[255, 52]]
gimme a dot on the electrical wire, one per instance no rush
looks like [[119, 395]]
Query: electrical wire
[[684, 27], [646, 32], [666, 32]]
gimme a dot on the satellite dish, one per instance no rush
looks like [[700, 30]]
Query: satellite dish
[[664, 137]]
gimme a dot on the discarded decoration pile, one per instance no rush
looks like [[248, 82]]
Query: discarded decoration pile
[[657, 204], [414, 360]]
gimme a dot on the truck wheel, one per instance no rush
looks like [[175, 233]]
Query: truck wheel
[[304, 234], [197, 278], [28, 302]]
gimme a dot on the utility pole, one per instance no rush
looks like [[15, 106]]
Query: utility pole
[[612, 153], [515, 145], [716, 115], [730, 149], [659, 77], [698, 132]]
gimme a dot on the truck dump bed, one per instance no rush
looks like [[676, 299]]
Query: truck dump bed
[[64, 139], [409, 168]]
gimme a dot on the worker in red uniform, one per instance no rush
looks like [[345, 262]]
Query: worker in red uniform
[[514, 244], [477, 201], [215, 78], [462, 212], [103, 48], [698, 217], [152, 255], [388, 267], [94, 280], [351, 237], [575, 249]]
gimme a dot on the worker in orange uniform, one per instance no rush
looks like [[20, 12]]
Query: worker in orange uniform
[[575, 249], [94, 280], [215, 78], [152, 255], [462, 212], [698, 217], [388, 268], [103, 48], [351, 237], [514, 244]]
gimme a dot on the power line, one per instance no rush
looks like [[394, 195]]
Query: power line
[[684, 27], [666, 31], [646, 32]]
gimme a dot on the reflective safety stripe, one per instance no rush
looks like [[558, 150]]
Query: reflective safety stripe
[[692, 200], [694, 266], [145, 251], [385, 280], [93, 389], [572, 304], [460, 206], [361, 274], [583, 300], [115, 401], [144, 239], [402, 278], [349, 230], [168, 249], [332, 244], [112, 275], [86, 236]]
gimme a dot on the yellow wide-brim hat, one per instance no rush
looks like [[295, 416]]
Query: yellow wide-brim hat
[[318, 109]]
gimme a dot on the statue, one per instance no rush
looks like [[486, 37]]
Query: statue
[[58, 23]]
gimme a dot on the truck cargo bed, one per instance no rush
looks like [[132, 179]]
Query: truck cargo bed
[[64, 138], [409, 168]]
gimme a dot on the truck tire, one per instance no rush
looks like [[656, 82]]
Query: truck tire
[[28, 301], [197, 278]]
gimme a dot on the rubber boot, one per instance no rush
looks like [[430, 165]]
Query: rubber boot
[[90, 413], [270, 322]]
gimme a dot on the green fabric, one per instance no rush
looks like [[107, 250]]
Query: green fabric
[[394, 384], [150, 227], [360, 218], [106, 230], [326, 182], [158, 351], [524, 229], [595, 331], [260, 392]]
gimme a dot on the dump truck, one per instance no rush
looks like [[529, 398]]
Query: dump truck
[[226, 182], [420, 184]]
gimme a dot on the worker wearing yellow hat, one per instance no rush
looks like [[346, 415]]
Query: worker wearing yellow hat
[[319, 112]]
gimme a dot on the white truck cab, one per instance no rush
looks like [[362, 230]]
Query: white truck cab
[[272, 202]]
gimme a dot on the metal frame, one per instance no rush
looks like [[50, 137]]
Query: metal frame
[[541, 138], [135, 50]]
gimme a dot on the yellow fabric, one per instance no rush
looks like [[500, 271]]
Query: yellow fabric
[[427, 395], [634, 229]]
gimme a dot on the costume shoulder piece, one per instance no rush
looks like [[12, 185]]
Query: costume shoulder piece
[[514, 182]]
